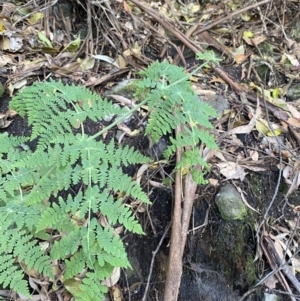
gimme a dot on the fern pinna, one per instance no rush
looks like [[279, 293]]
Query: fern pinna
[[62, 160]]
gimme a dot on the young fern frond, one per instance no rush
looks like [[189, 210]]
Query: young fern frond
[[173, 103]]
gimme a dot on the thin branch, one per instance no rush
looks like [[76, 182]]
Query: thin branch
[[152, 262], [174, 270]]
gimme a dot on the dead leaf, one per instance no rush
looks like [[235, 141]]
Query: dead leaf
[[87, 64], [7, 9], [113, 279], [123, 100], [231, 170], [213, 182], [116, 293], [295, 182], [256, 40], [244, 199], [293, 59], [295, 113], [271, 282], [292, 121]]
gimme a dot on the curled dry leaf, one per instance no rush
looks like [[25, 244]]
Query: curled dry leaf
[[232, 170], [116, 294], [295, 122], [244, 199], [113, 279], [4, 122], [295, 113], [123, 100], [295, 182]]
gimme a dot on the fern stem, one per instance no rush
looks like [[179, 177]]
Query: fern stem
[[118, 120], [186, 77], [45, 176], [90, 209]]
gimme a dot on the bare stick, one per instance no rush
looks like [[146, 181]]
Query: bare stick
[[174, 270], [230, 16], [152, 262]]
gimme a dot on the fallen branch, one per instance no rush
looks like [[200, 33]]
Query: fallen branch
[[174, 271]]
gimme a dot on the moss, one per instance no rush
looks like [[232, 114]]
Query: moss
[[232, 251], [256, 185], [250, 271]]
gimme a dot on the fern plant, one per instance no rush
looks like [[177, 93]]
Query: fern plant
[[173, 104], [62, 160], [34, 206]]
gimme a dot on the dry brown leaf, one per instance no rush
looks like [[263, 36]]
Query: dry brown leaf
[[116, 293], [68, 69], [277, 245], [7, 9], [156, 184], [215, 79], [5, 59], [271, 282], [292, 121], [296, 264], [231, 170], [287, 170], [121, 61], [254, 155], [244, 199], [295, 182], [293, 110], [113, 279], [126, 7], [255, 41], [213, 182], [124, 100], [245, 129], [293, 59]]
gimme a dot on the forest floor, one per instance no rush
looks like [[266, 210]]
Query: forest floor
[[99, 44]]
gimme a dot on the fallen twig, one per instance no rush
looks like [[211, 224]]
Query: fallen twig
[[174, 270], [152, 262], [230, 16]]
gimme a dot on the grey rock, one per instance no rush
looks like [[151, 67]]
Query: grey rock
[[271, 297], [230, 203], [218, 102]]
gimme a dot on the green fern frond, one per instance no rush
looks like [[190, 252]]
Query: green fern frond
[[55, 217], [56, 109], [75, 265], [11, 276], [173, 104], [16, 243], [91, 285], [67, 245]]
